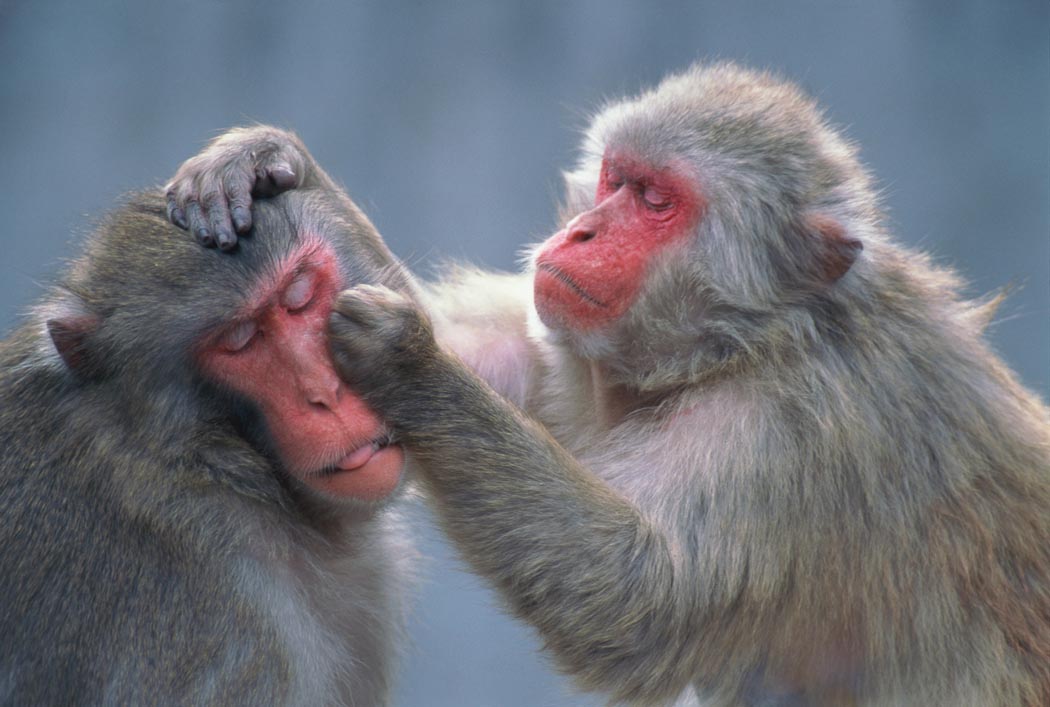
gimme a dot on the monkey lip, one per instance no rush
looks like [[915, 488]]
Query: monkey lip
[[563, 278], [371, 472], [359, 457]]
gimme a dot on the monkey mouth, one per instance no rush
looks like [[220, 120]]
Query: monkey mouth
[[571, 284], [358, 457]]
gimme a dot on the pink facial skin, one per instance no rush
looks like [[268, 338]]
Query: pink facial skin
[[275, 353], [589, 273]]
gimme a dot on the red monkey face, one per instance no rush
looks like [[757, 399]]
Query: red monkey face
[[276, 354], [589, 273]]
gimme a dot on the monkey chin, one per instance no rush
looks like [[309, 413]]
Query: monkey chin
[[591, 343], [563, 303], [370, 474]]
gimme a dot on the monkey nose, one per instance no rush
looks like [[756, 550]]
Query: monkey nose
[[321, 390], [581, 235], [327, 398], [582, 228]]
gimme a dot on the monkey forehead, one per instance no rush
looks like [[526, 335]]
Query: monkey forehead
[[674, 172], [312, 254], [317, 214]]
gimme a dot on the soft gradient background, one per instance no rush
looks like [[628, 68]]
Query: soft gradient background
[[449, 122]]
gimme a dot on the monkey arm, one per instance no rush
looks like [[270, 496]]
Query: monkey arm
[[573, 557], [211, 193]]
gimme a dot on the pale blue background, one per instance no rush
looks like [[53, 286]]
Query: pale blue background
[[449, 122]]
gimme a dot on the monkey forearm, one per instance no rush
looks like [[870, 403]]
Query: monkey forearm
[[564, 548], [572, 556]]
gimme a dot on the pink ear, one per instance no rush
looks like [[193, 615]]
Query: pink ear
[[69, 335], [837, 251]]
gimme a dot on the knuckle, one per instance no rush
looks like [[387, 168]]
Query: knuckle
[[178, 192], [237, 178], [213, 199]]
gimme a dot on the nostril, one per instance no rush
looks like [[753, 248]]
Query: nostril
[[323, 394], [321, 403], [581, 235]]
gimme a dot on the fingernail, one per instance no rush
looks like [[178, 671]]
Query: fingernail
[[283, 177], [241, 220], [226, 241], [205, 237]]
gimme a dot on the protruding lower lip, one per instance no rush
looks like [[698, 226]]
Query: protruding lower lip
[[357, 458], [571, 284]]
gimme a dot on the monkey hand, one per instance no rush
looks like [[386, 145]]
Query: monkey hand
[[382, 344], [211, 193]]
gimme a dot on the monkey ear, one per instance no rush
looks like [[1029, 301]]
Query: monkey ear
[[69, 334], [836, 250]]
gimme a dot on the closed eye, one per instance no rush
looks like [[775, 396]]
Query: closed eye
[[656, 199], [239, 337], [298, 295]]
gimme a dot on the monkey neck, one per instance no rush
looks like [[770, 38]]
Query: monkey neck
[[612, 401]]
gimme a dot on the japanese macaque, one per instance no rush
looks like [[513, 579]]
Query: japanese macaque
[[194, 508], [765, 451]]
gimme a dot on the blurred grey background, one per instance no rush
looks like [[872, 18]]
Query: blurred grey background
[[449, 122]]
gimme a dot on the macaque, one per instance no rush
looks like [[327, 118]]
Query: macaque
[[194, 508], [761, 450]]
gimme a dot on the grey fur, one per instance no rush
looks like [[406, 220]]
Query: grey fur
[[153, 551], [774, 487], [779, 489]]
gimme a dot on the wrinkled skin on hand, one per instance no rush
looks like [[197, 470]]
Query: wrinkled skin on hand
[[211, 193]]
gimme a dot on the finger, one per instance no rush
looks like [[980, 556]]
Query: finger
[[283, 177], [175, 214], [354, 310], [218, 215], [381, 296], [344, 338], [272, 179], [238, 189], [219, 221], [198, 224]]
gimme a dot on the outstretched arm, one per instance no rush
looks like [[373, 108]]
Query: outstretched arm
[[211, 193], [573, 557]]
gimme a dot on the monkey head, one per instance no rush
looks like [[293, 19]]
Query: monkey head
[[242, 334], [590, 273], [718, 198]]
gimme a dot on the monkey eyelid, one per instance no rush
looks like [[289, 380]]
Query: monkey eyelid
[[656, 199], [298, 295], [237, 338]]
